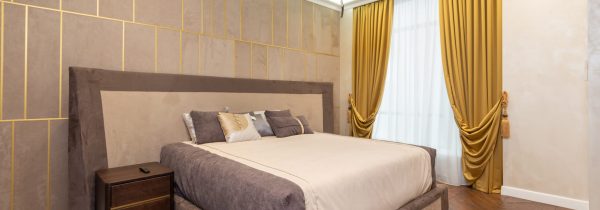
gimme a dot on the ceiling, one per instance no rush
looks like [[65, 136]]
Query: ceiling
[[336, 4]]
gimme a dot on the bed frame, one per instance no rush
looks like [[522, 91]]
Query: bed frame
[[88, 138]]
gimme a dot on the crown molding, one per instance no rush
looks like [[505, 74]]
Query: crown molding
[[328, 4], [338, 7], [357, 3]]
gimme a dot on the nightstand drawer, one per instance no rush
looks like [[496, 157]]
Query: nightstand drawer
[[160, 203], [140, 190]]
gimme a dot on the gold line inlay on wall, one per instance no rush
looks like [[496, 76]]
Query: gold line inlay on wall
[[287, 23], [251, 60], [191, 32], [1, 58], [60, 65], [155, 49], [182, 15], [180, 52], [228, 14], [123, 49], [272, 22], [48, 177], [12, 165], [25, 62], [241, 19], [133, 11], [33, 119]]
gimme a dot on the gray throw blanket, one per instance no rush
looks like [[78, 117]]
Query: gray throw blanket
[[212, 182]]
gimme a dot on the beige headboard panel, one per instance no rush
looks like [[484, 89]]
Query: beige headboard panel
[[137, 124]]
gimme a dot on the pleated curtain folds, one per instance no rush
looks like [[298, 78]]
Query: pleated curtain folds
[[372, 25], [471, 36]]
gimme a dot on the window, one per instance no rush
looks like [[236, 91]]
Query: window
[[415, 108]]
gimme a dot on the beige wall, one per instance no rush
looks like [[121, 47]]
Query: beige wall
[[545, 75], [345, 68], [264, 39], [594, 101]]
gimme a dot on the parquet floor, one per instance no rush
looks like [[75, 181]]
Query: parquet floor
[[465, 198]]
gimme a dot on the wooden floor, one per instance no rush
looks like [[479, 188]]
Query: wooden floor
[[465, 198]]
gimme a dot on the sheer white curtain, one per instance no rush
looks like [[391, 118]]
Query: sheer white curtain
[[415, 107]]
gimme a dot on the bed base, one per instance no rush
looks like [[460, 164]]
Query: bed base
[[435, 199]]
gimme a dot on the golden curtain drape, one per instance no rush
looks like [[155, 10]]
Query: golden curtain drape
[[471, 36], [372, 26]]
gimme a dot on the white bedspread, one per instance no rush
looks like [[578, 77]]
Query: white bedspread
[[338, 172]]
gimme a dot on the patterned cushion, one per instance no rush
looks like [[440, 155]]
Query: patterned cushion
[[238, 127]]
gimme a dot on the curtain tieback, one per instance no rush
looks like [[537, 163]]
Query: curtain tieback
[[357, 114], [490, 116]]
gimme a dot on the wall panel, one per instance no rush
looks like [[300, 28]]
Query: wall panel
[[13, 96], [41, 39], [43, 63]]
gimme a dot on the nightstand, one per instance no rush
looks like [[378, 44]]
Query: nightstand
[[146, 186]]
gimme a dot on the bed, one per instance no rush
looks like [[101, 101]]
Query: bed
[[310, 171], [121, 118]]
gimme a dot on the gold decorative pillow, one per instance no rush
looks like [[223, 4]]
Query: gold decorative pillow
[[238, 127]]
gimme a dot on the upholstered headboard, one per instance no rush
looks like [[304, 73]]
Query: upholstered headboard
[[120, 118]]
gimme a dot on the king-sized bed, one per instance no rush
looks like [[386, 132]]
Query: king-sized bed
[[124, 118], [310, 171]]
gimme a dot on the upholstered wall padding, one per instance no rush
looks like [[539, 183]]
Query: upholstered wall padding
[[87, 136], [137, 124], [41, 39]]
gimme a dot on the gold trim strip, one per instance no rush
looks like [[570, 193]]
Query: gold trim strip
[[32, 120], [184, 31], [60, 66], [97, 7], [140, 202], [225, 29], [12, 166], [1, 58], [180, 52], [182, 11], [272, 22], [123, 50], [241, 19], [133, 12], [251, 60], [155, 49], [287, 23], [25, 69], [301, 25], [200, 53], [48, 177]]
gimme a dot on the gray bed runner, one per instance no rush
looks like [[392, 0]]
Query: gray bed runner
[[212, 182]]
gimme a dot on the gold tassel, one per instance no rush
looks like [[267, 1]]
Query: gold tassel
[[505, 124]]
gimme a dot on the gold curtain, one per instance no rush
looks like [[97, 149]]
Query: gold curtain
[[471, 36], [372, 26]]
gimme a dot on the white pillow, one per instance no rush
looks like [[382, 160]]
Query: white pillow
[[238, 127], [189, 124]]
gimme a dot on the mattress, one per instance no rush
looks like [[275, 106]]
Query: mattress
[[312, 171]]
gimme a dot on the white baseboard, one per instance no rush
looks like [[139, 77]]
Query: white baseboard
[[545, 198]]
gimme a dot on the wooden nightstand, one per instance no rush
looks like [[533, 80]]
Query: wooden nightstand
[[128, 188]]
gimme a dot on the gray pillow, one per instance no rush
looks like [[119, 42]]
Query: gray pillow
[[278, 113], [261, 124], [207, 127], [288, 126]]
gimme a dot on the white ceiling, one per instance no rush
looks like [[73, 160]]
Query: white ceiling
[[336, 4]]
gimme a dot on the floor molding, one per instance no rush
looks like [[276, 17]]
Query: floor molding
[[545, 198]]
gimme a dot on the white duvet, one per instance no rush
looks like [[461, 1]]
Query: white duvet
[[338, 172]]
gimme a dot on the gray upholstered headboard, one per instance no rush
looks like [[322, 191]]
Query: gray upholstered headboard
[[109, 110]]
